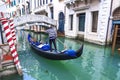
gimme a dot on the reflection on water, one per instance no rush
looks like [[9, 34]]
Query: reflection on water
[[96, 63]]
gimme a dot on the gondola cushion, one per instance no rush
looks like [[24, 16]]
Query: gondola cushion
[[37, 43], [70, 52], [45, 47]]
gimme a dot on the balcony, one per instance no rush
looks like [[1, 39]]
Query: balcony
[[41, 10], [25, 19], [79, 4]]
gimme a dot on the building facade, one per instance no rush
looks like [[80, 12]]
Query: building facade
[[91, 20], [88, 19]]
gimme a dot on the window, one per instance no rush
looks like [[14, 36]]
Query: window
[[35, 3], [52, 13], [94, 21], [19, 12], [43, 2], [40, 2], [71, 22], [28, 7], [50, 0], [46, 1], [13, 3], [19, 1], [23, 11], [81, 21]]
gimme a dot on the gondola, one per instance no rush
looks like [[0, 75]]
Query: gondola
[[44, 51]]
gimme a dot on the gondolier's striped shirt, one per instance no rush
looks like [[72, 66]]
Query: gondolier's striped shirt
[[52, 33]]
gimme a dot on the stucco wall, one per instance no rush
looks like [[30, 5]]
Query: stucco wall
[[100, 36], [58, 7], [116, 3]]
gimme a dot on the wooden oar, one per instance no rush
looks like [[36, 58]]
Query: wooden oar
[[62, 43]]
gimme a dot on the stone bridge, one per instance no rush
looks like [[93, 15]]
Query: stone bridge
[[34, 19]]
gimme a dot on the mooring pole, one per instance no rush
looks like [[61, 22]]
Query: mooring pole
[[40, 32], [1, 34]]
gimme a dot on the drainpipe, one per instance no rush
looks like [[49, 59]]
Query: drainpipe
[[109, 21]]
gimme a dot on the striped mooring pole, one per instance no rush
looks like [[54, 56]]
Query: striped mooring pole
[[10, 41], [11, 24]]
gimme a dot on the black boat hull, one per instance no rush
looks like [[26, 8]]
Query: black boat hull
[[54, 55]]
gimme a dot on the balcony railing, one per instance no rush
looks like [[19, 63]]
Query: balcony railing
[[33, 19], [79, 4], [67, 2]]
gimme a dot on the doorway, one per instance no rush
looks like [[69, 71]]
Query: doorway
[[81, 23], [61, 22]]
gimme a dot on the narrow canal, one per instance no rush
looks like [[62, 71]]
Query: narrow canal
[[96, 62]]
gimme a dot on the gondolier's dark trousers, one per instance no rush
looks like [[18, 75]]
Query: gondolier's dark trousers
[[54, 43]]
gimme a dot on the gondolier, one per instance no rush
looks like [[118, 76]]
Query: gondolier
[[52, 37]]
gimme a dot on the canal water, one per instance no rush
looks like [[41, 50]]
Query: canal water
[[96, 62]]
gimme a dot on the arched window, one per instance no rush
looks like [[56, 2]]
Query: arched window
[[28, 7], [116, 14]]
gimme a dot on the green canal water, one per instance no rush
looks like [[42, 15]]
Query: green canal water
[[96, 62]]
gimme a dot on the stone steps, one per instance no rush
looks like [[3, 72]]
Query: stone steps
[[7, 68], [7, 63]]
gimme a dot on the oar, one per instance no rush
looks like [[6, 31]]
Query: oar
[[47, 40], [62, 43]]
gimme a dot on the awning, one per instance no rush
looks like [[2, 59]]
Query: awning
[[116, 22]]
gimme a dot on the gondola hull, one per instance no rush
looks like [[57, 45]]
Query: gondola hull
[[55, 55]]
